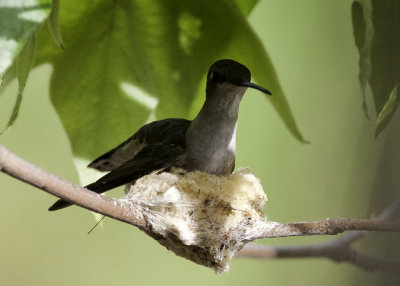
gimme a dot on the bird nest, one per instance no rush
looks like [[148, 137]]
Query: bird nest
[[201, 217]]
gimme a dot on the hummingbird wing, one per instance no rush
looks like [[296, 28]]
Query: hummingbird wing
[[153, 158], [166, 131]]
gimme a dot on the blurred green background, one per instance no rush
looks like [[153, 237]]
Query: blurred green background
[[343, 172]]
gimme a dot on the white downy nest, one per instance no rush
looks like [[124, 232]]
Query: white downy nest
[[202, 217]]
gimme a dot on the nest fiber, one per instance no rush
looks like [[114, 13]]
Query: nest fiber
[[202, 217]]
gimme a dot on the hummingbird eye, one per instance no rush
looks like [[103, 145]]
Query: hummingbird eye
[[216, 77]]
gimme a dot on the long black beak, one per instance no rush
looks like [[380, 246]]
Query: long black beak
[[255, 86]]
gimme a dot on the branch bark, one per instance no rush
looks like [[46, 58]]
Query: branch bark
[[24, 171], [329, 226]]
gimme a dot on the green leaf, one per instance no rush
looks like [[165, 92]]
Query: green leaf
[[19, 23], [377, 36], [53, 23], [387, 111], [363, 32], [127, 62], [23, 66], [19, 20]]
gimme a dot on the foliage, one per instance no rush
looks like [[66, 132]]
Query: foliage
[[377, 36], [19, 25], [126, 62]]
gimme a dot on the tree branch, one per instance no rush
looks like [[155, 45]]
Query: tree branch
[[24, 171], [338, 250], [134, 213], [329, 226]]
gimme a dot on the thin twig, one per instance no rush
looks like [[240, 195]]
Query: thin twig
[[335, 250]]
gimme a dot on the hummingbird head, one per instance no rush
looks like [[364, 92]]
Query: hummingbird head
[[230, 74]]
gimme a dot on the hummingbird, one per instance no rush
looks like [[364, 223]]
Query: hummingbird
[[207, 143]]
